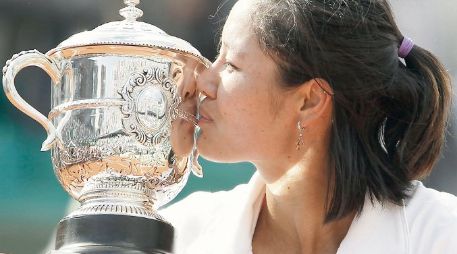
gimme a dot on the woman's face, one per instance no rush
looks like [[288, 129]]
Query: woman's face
[[245, 115]]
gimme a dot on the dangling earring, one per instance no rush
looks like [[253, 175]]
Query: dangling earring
[[300, 141]]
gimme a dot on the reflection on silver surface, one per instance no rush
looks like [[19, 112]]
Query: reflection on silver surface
[[126, 130]]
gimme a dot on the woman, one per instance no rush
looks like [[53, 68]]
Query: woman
[[339, 113]]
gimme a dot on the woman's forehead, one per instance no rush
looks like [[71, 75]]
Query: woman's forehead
[[241, 11], [238, 24]]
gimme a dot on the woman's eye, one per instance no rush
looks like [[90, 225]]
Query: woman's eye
[[229, 67]]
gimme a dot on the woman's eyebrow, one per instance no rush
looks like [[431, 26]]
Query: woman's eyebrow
[[223, 45]]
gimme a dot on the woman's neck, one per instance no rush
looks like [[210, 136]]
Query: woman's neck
[[292, 216]]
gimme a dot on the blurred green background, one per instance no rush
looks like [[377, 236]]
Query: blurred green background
[[31, 200]]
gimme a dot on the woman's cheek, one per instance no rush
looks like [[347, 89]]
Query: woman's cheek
[[234, 97]]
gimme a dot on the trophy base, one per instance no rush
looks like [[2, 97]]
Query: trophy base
[[106, 233]]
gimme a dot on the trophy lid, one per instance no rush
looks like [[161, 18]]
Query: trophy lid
[[130, 32]]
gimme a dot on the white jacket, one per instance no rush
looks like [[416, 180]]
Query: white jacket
[[224, 223]]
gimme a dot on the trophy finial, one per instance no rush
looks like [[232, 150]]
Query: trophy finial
[[131, 13]]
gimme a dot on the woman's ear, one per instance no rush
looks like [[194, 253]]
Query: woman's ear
[[316, 102]]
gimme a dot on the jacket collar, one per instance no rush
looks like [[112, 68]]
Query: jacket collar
[[378, 228]]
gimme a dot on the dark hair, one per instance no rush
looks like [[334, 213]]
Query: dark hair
[[389, 116]]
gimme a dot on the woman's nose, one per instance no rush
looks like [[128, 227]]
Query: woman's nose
[[208, 81]]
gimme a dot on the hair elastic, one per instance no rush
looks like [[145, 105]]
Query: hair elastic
[[406, 46]]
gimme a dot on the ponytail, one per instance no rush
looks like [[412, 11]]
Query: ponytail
[[424, 134]]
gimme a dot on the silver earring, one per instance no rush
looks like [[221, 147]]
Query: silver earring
[[300, 141]]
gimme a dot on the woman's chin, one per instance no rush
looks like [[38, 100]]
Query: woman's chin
[[215, 155], [206, 152]]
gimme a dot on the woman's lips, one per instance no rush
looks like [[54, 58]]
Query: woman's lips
[[203, 117]]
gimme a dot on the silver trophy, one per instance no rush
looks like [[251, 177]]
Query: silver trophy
[[121, 129]]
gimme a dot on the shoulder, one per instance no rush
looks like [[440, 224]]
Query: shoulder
[[431, 218], [432, 205], [426, 223]]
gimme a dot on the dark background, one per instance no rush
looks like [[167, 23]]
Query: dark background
[[32, 201]]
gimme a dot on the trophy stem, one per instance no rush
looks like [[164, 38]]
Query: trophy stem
[[112, 193], [116, 216]]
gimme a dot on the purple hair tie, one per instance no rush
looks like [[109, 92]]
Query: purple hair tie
[[406, 46]]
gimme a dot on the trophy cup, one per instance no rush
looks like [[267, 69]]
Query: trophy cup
[[121, 130]]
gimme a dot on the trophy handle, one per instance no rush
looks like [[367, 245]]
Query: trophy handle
[[16, 64]]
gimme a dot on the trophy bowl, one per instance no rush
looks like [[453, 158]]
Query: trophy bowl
[[123, 114]]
